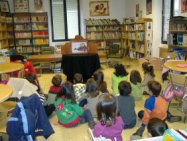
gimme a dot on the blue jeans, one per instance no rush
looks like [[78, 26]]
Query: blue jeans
[[86, 116]]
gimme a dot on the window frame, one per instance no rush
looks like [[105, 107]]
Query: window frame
[[65, 22], [171, 15]]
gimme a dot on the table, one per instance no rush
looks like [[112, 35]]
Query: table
[[172, 65], [45, 58], [5, 92], [10, 67], [86, 64]]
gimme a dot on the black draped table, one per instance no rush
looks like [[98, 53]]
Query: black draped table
[[86, 64]]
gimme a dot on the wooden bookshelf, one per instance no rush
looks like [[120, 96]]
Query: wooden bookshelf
[[30, 32], [177, 37], [3, 33], [105, 33], [137, 37]]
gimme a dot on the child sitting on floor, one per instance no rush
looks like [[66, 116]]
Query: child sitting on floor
[[79, 89], [148, 76], [110, 125], [127, 112], [135, 79], [68, 112]]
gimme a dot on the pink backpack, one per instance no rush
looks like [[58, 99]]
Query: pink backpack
[[172, 91]]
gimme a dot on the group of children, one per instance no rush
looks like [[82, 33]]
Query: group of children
[[77, 102]]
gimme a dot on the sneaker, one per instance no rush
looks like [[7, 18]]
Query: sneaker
[[91, 124], [174, 119]]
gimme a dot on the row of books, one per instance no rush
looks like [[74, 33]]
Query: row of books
[[23, 42], [93, 22], [140, 36], [100, 35], [28, 49], [178, 26], [40, 34], [39, 26], [21, 19], [112, 35], [23, 35], [22, 27], [132, 36], [39, 18], [40, 41], [135, 55], [94, 36], [175, 135], [177, 39]]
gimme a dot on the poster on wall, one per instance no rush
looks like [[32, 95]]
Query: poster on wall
[[137, 10], [79, 47], [38, 5], [148, 7], [99, 8], [21, 6], [183, 6]]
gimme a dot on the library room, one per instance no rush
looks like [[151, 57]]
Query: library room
[[93, 70]]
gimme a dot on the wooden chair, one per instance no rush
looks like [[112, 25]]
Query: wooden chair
[[179, 80]]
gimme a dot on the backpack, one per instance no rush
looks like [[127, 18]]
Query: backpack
[[172, 91]]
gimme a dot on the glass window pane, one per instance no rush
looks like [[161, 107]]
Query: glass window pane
[[58, 19], [72, 18], [176, 8]]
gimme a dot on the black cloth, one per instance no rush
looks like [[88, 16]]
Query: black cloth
[[86, 64]]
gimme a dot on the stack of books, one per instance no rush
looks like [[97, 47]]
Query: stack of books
[[175, 135]]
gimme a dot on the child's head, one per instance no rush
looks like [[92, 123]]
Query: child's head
[[77, 78], [92, 88], [154, 87], [120, 70], [106, 109], [57, 80], [135, 77], [124, 88], [156, 127], [67, 91], [98, 76], [148, 68]]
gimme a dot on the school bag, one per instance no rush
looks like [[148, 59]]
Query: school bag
[[172, 91]]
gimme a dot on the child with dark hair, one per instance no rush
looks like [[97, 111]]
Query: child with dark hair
[[127, 112], [120, 74], [92, 95], [135, 79], [79, 89], [54, 90], [99, 78], [156, 127], [68, 112], [154, 107], [148, 76], [110, 125]]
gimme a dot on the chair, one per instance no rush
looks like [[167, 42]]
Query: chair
[[47, 65], [179, 80]]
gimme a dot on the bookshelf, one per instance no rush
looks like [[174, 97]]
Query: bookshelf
[[177, 37], [40, 33], [30, 32], [10, 30], [104, 32], [3, 33], [137, 37]]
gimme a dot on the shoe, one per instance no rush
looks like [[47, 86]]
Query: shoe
[[138, 134], [91, 124], [172, 118]]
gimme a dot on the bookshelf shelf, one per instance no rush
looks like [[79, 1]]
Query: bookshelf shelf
[[137, 37], [177, 37]]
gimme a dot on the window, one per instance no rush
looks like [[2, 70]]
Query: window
[[65, 19], [170, 8]]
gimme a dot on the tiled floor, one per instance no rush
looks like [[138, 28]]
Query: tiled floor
[[80, 133]]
